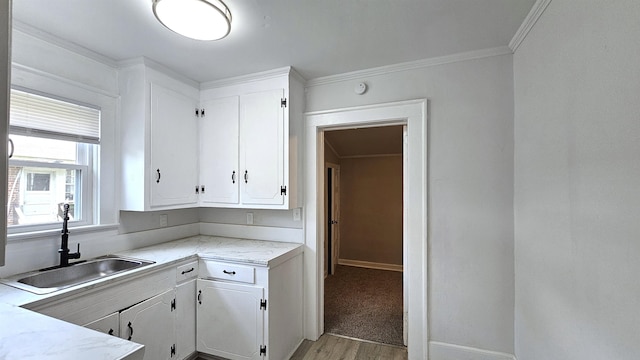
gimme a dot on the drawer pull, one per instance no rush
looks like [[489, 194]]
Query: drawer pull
[[229, 272], [187, 271]]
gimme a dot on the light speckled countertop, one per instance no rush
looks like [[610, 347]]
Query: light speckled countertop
[[28, 335]]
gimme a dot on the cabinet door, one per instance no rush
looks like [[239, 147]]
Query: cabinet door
[[186, 319], [230, 322], [219, 151], [109, 324], [262, 147], [174, 148], [152, 324]]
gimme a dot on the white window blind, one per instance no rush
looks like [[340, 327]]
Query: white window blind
[[36, 115]]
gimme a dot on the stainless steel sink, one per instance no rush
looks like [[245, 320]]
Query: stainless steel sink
[[50, 280]]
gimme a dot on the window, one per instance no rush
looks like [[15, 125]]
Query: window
[[53, 142]]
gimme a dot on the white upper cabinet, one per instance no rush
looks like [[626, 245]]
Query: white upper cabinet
[[262, 148], [249, 141], [159, 140], [219, 171], [174, 150]]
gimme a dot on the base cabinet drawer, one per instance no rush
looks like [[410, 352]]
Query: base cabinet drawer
[[224, 271], [186, 272]]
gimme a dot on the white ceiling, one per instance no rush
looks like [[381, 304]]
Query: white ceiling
[[317, 37]]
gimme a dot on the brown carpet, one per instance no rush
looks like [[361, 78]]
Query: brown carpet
[[364, 304]]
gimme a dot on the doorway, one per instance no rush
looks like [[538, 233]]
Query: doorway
[[413, 113], [364, 233]]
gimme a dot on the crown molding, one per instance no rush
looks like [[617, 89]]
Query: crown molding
[[152, 64], [62, 43], [19, 68], [243, 79], [536, 12], [411, 65]]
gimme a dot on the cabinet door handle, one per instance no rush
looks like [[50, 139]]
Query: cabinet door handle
[[187, 271], [12, 148], [130, 330], [158, 176], [229, 272], [246, 176], [233, 177], [199, 295]]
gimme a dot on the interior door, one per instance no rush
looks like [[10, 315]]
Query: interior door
[[335, 217]]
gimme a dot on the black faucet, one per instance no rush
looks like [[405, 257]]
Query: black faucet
[[65, 255]]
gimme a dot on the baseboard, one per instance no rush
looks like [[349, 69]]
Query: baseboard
[[444, 351], [253, 232], [370, 265]]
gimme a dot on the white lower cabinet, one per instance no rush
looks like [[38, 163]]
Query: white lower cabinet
[[233, 310], [249, 312], [109, 324], [152, 324], [230, 320], [186, 310]]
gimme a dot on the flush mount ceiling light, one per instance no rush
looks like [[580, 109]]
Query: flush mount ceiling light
[[196, 19]]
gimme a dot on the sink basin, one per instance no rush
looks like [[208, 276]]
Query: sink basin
[[50, 280]]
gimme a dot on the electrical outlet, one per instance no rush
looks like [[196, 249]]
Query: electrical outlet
[[296, 214], [164, 220], [249, 218]]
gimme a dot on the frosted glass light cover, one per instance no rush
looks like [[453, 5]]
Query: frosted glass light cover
[[196, 19]]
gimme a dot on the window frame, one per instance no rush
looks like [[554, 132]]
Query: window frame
[[88, 164]]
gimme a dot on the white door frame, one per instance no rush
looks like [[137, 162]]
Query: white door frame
[[414, 114]]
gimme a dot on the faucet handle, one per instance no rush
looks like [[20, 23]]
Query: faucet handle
[[75, 255]]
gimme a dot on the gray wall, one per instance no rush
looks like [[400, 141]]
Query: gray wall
[[470, 190], [577, 183]]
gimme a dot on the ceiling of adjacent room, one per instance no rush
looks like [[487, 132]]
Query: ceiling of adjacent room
[[371, 141], [317, 37]]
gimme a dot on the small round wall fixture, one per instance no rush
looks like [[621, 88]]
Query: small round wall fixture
[[195, 19], [360, 88]]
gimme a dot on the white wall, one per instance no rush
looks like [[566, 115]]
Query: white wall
[[577, 183], [470, 187]]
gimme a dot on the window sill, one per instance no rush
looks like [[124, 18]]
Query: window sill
[[56, 232]]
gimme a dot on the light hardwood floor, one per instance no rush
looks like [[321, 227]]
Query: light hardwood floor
[[330, 347]]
